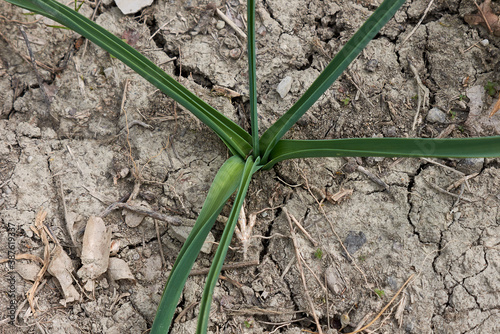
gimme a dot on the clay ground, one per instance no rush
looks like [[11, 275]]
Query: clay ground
[[438, 220]]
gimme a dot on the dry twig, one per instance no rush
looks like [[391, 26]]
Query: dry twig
[[422, 101], [162, 256], [35, 68], [385, 307], [231, 24], [426, 11], [299, 267], [228, 266], [156, 215]]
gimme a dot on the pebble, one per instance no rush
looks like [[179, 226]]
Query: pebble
[[390, 131], [135, 256], [333, 281], [132, 6], [146, 252], [392, 283], [354, 241], [485, 42], [436, 115], [470, 165], [220, 24], [262, 31], [371, 65], [182, 232], [108, 72], [235, 53], [7, 190], [284, 86]]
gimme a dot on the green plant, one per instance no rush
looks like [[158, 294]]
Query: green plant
[[490, 88], [318, 254], [379, 292], [346, 101], [248, 324], [249, 152]]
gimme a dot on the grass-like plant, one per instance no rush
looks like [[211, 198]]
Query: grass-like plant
[[249, 152]]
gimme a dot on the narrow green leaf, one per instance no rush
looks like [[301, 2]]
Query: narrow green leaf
[[225, 183], [485, 147], [32, 7], [233, 134], [250, 168], [339, 63], [252, 77]]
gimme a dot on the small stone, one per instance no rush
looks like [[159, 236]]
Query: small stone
[[485, 42], [371, 65], [146, 252], [220, 25], [132, 6], [470, 165], [354, 241], [371, 161], [30, 159], [104, 283], [392, 282], [7, 190], [235, 53], [390, 131], [77, 309], [435, 115], [284, 86], [334, 281], [108, 72], [181, 233], [262, 31]]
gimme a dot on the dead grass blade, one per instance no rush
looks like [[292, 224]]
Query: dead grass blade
[[386, 306]]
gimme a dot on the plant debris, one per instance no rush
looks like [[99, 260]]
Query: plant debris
[[95, 250], [485, 17]]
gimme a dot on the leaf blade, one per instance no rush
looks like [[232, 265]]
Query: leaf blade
[[252, 77], [250, 168], [225, 183], [232, 133], [336, 67], [483, 147]]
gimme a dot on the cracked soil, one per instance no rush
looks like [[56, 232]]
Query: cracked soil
[[440, 222]]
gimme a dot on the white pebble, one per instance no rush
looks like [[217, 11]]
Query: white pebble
[[284, 86], [220, 24], [132, 6], [485, 42]]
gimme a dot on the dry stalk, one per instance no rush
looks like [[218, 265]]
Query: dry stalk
[[311, 239], [426, 11], [40, 231], [163, 262], [229, 266], [385, 307], [156, 215], [301, 270], [422, 101]]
